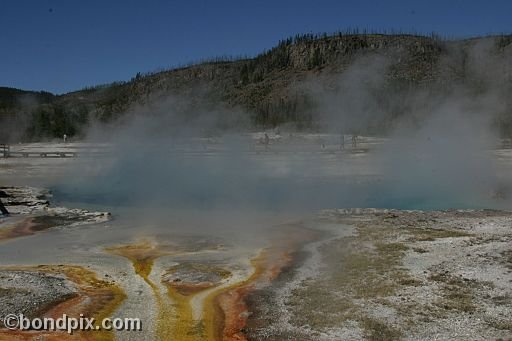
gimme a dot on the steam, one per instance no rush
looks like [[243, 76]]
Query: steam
[[348, 103], [178, 152], [13, 127], [448, 162]]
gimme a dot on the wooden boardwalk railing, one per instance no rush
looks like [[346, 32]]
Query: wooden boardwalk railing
[[5, 152]]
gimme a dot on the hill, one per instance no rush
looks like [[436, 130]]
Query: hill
[[288, 84]]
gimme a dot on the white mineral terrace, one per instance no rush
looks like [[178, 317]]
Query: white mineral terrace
[[219, 202]]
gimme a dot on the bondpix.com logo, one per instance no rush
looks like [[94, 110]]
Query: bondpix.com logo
[[70, 324]]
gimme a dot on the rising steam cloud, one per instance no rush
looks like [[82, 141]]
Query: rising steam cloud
[[438, 153]]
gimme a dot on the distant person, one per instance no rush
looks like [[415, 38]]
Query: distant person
[[2, 207], [354, 141], [267, 141], [65, 138], [342, 141]]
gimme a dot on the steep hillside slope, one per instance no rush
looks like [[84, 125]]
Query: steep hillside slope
[[285, 85]]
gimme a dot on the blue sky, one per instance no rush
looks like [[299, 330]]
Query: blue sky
[[60, 46]]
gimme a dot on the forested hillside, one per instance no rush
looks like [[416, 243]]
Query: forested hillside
[[281, 85]]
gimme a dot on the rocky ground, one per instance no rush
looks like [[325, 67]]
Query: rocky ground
[[30, 212], [369, 274], [391, 275], [31, 293], [33, 200]]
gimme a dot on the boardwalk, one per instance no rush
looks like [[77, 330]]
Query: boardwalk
[[4, 149], [192, 148], [9, 154]]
